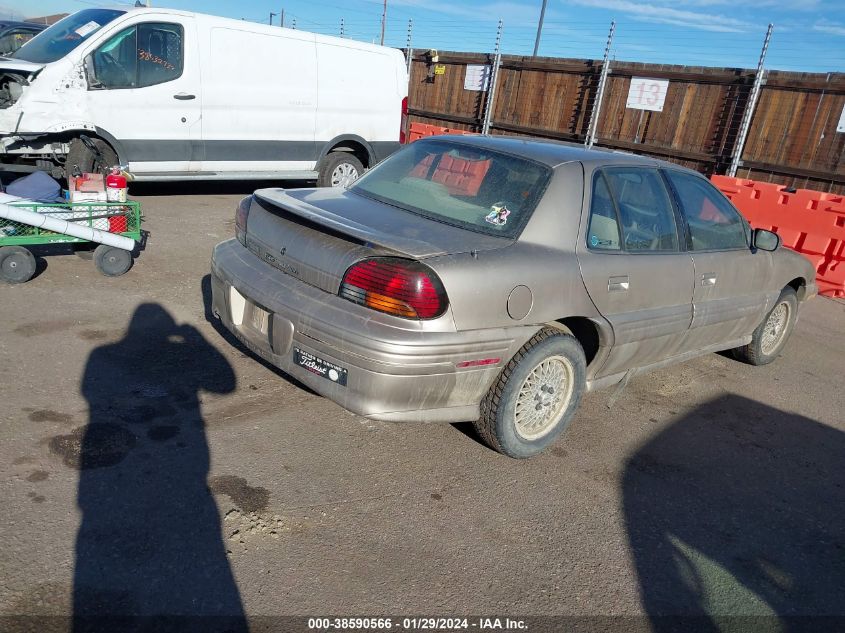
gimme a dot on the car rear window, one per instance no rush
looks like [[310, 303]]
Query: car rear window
[[470, 187]]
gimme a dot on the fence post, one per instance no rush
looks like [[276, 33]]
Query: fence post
[[750, 106], [409, 62], [593, 126], [494, 76]]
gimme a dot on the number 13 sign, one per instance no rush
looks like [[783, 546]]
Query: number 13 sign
[[647, 94]]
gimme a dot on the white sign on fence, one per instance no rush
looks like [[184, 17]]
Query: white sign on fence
[[841, 126], [647, 94], [477, 78]]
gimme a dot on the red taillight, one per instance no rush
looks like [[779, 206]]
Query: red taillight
[[241, 215], [396, 286], [403, 127]]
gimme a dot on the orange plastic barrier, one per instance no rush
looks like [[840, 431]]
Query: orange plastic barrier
[[809, 222], [421, 130]]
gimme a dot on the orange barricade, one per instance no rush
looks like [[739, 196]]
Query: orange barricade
[[809, 222], [421, 130]]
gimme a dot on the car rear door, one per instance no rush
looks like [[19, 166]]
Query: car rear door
[[729, 300], [634, 266]]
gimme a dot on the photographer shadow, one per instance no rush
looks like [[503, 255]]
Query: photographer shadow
[[149, 551], [736, 518]]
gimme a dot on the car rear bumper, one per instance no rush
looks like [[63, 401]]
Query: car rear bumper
[[398, 370]]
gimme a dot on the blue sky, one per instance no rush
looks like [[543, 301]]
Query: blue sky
[[809, 35]]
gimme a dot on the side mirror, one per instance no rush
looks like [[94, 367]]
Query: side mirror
[[766, 240]]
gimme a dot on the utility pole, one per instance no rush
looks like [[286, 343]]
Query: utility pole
[[282, 22], [540, 28], [383, 20]]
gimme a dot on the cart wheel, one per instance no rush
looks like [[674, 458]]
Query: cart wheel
[[17, 264], [111, 261]]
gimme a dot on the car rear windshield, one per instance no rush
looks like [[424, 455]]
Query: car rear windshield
[[65, 35], [466, 186]]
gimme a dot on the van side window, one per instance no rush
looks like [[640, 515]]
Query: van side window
[[159, 53], [140, 56], [603, 233], [645, 209]]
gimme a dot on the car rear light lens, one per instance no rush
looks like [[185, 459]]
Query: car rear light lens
[[396, 286], [241, 215], [403, 127]]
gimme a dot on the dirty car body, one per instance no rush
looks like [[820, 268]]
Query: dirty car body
[[417, 293]]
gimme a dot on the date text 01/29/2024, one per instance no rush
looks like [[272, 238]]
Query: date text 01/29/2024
[[417, 624]]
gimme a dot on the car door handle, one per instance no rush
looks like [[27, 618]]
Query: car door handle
[[708, 279], [618, 284], [182, 96]]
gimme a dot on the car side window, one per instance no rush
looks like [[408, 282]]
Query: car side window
[[603, 233], [714, 224], [645, 209], [140, 56]]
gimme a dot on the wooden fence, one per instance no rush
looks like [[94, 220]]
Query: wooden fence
[[792, 138]]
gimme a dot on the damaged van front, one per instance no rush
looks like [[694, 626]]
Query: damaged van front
[[42, 93]]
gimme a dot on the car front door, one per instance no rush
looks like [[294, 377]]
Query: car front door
[[144, 90], [634, 267], [729, 300]]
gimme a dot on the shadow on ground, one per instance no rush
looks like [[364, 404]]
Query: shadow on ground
[[149, 543], [739, 509]]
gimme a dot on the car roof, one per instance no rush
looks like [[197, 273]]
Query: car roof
[[553, 153]]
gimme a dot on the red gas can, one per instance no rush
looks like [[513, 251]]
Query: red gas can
[[116, 186]]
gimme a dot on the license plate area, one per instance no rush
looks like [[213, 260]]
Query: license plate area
[[258, 318], [320, 367]]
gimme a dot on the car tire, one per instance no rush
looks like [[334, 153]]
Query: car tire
[[339, 169], [771, 335], [111, 261], [85, 158], [17, 264], [535, 397]]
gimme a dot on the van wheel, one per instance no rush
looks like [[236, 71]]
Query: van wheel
[[339, 169], [92, 155], [535, 397]]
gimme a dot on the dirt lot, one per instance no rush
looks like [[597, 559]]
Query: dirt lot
[[149, 466]]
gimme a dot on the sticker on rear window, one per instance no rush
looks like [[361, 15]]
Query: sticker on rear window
[[498, 215]]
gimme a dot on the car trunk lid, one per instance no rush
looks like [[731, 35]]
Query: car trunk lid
[[317, 234]]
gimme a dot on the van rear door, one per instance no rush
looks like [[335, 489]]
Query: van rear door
[[144, 89]]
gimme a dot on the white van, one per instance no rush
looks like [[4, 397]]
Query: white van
[[179, 95]]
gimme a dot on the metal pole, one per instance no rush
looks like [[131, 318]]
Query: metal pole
[[410, 50], [494, 75], [271, 18], [409, 61], [282, 22], [759, 78], [383, 20], [540, 28], [605, 69]]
